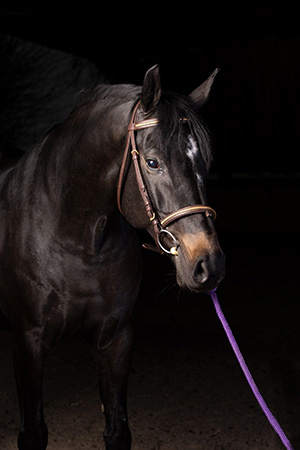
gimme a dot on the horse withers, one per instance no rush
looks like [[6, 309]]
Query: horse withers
[[70, 260]]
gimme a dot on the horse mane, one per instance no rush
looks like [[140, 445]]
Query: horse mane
[[107, 94], [172, 109]]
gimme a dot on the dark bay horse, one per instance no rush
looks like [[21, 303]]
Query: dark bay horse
[[70, 262]]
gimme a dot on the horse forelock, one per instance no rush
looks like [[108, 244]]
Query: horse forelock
[[179, 122]]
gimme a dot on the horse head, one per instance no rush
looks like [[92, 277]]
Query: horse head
[[174, 158]]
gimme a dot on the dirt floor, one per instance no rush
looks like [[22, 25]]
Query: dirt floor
[[186, 389]]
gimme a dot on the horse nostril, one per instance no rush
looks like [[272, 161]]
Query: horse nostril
[[201, 272]]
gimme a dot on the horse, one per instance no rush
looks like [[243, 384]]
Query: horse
[[70, 258]]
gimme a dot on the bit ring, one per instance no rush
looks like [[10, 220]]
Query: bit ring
[[173, 250]]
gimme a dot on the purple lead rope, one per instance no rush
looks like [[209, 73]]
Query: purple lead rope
[[247, 373]]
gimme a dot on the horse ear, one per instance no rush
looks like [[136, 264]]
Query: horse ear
[[151, 90], [200, 95]]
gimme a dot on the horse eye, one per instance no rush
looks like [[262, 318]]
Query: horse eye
[[152, 164]]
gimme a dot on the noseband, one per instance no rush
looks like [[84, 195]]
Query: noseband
[[157, 223]]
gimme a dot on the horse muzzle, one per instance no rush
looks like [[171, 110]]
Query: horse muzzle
[[200, 264]]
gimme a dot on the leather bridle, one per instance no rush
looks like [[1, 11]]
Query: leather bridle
[[159, 225]]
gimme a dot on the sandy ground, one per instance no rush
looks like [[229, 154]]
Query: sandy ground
[[186, 389]]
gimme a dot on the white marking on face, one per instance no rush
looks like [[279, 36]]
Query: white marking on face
[[200, 179], [192, 154], [192, 149]]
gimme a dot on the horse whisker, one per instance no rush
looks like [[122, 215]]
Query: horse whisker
[[169, 286]]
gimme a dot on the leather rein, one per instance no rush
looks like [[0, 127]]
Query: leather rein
[[159, 225]]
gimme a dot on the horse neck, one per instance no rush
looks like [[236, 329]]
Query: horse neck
[[90, 167]]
